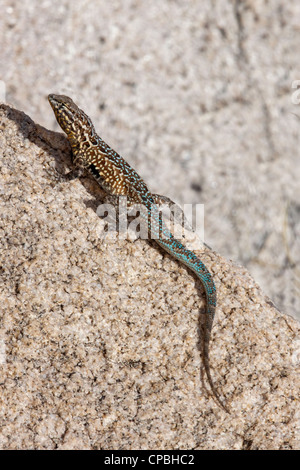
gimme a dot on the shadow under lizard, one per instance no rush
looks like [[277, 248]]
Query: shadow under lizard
[[118, 178]]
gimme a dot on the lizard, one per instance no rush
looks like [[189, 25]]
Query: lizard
[[117, 178]]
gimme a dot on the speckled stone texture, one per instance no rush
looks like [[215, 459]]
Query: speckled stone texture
[[100, 339], [196, 94]]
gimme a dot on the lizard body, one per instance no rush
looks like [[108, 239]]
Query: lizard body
[[118, 178]]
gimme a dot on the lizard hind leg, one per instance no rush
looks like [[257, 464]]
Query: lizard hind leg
[[179, 216], [175, 210]]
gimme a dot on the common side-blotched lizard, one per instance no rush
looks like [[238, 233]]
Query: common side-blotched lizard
[[117, 178]]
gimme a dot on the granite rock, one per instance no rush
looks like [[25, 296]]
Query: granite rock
[[202, 97], [100, 339]]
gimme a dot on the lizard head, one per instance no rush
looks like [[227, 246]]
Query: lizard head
[[73, 121]]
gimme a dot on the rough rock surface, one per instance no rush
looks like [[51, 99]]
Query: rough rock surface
[[198, 94], [100, 340]]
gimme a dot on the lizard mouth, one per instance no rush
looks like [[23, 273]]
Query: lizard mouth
[[62, 112], [53, 100]]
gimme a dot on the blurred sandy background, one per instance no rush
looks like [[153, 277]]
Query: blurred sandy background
[[197, 95]]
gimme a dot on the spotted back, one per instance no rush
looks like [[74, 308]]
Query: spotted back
[[111, 171]]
